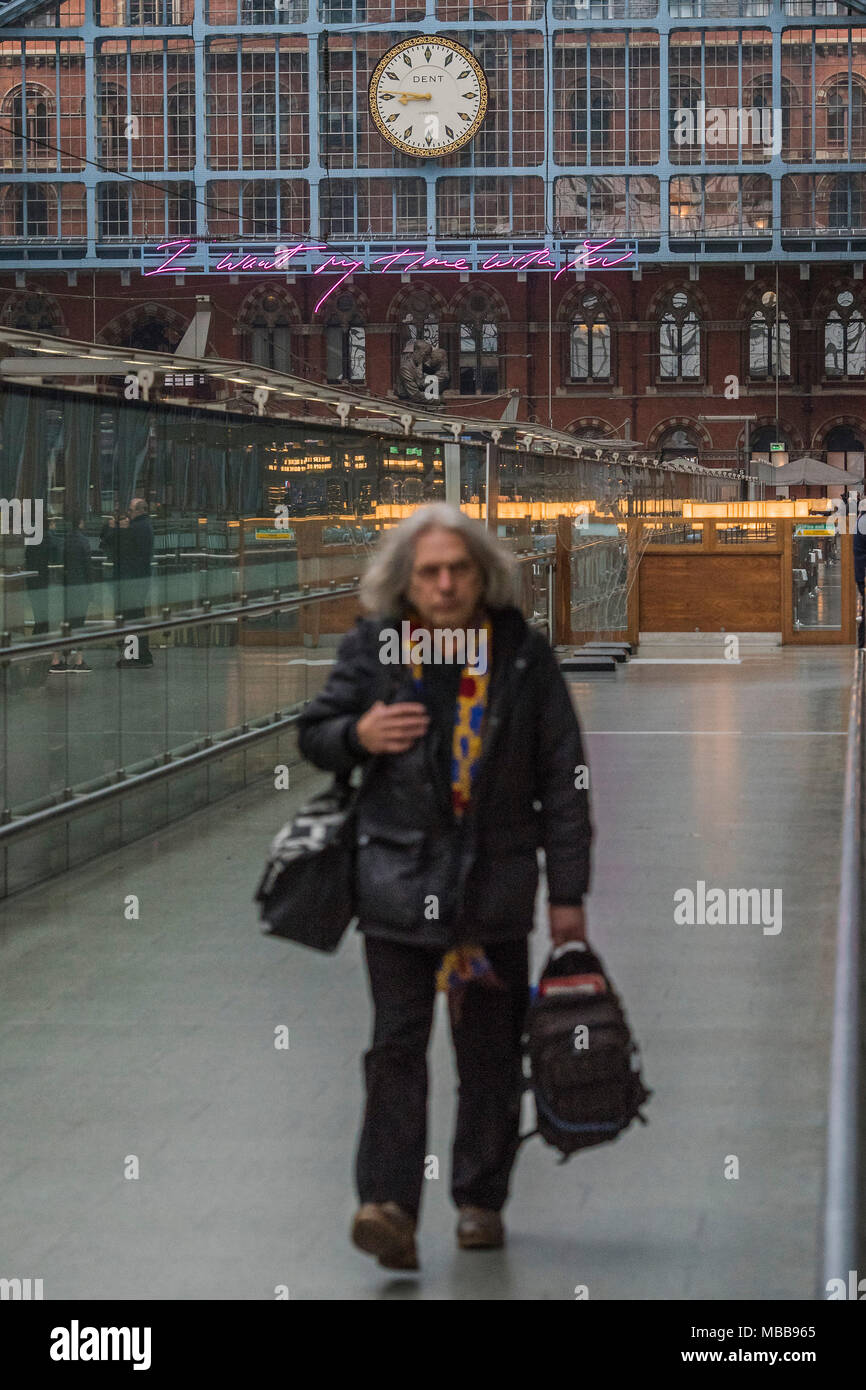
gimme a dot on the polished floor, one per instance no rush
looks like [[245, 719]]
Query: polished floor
[[156, 1143]]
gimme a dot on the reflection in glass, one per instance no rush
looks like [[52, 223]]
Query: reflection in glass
[[816, 578]]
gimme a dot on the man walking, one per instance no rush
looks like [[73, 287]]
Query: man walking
[[130, 545], [473, 760]]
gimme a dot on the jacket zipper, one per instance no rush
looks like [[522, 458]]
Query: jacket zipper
[[467, 856]]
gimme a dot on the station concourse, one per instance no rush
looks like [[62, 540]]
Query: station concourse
[[154, 1037]]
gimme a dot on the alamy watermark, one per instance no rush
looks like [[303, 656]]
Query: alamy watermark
[[853, 1288], [443, 646], [710, 907], [21, 1290], [77, 1343], [728, 125], [22, 516]]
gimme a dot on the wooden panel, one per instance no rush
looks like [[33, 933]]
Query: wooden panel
[[707, 592]]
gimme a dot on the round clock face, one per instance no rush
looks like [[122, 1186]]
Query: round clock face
[[428, 96]]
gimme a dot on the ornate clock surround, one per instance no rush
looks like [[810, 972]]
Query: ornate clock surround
[[397, 52]]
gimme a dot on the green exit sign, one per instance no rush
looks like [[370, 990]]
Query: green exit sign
[[777, 448]]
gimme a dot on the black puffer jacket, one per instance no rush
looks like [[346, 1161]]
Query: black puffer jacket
[[424, 876]]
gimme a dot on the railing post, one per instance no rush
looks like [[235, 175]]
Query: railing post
[[844, 1225]]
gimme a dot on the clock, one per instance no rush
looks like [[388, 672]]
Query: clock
[[428, 96]]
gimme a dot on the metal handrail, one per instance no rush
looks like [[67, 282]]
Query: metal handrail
[[844, 1215], [75, 804], [69, 803], [207, 614]]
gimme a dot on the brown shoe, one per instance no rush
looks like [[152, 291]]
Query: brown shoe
[[480, 1229], [386, 1230]]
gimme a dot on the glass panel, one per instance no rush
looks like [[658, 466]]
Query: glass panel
[[816, 577], [579, 351], [669, 358], [856, 345], [599, 577], [334, 349], [357, 354], [601, 350], [691, 347], [834, 351]]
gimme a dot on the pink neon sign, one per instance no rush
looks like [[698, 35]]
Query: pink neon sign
[[541, 258]]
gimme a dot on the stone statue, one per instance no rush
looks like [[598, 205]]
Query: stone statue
[[423, 373]]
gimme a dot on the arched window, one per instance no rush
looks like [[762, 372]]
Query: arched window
[[679, 444], [845, 339], [419, 319], [143, 12], [31, 108], [182, 210], [490, 145], [761, 438], [844, 448], [112, 201], [600, 112], [769, 339], [338, 104], [844, 201], [150, 335], [685, 205], [259, 114], [679, 339], [845, 114], [346, 342], [478, 348], [589, 342], [265, 330], [684, 134], [266, 11], [762, 100], [181, 125], [261, 208], [111, 122], [338, 209], [31, 212], [32, 310]]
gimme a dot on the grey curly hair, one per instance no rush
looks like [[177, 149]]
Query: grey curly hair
[[384, 585]]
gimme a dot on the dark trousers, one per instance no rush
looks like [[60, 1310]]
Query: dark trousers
[[392, 1147], [138, 615]]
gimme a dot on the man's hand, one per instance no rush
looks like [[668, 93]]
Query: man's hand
[[567, 924], [392, 728], [111, 523]]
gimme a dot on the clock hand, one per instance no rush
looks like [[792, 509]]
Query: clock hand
[[403, 97]]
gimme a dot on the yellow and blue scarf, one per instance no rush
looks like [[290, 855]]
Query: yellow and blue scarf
[[464, 964]]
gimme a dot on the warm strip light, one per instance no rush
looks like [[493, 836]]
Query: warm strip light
[[757, 511]]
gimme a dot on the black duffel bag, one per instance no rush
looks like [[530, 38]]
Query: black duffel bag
[[584, 1065], [307, 892]]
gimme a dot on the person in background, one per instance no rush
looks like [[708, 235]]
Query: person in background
[[74, 554], [128, 541], [860, 568], [470, 768], [36, 561]]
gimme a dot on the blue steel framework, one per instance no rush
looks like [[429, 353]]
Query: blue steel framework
[[532, 197]]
